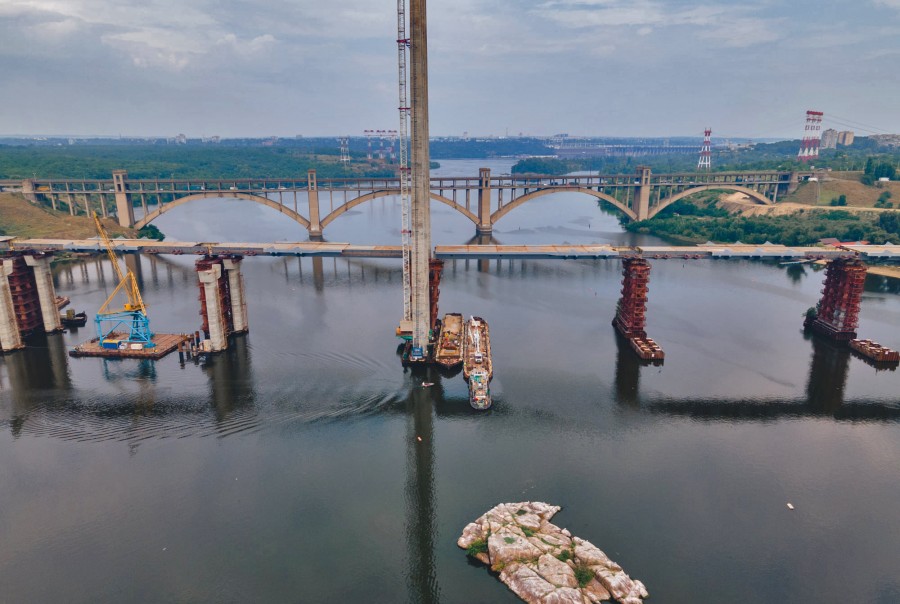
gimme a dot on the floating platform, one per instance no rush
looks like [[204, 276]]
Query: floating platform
[[165, 343], [875, 352], [449, 350], [647, 349]]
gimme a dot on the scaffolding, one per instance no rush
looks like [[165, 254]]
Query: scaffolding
[[631, 313], [837, 315], [403, 135]]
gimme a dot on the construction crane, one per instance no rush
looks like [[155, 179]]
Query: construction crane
[[114, 324], [406, 324]]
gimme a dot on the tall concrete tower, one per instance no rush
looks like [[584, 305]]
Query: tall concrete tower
[[420, 210]]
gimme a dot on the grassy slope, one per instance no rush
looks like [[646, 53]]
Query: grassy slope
[[22, 219], [858, 194]]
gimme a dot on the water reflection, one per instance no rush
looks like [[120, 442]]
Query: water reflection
[[33, 375], [421, 576], [231, 380]]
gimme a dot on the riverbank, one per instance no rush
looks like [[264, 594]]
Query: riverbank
[[21, 218]]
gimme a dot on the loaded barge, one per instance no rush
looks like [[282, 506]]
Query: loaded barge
[[449, 350], [477, 365], [875, 352]]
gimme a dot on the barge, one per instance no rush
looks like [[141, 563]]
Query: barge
[[449, 350], [477, 364], [73, 319], [875, 352]]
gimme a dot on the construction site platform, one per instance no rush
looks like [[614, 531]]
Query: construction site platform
[[165, 343]]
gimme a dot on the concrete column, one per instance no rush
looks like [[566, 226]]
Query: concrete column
[[484, 202], [315, 225], [236, 290], [641, 205], [28, 190], [794, 182], [124, 209], [10, 338], [43, 278], [209, 279]]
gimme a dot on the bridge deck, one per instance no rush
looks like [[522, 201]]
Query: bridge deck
[[329, 249]]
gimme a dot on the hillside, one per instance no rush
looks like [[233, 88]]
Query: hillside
[[846, 183], [20, 218]]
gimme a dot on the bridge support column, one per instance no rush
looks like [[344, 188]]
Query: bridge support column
[[22, 286], [46, 293], [213, 303], [485, 227], [837, 313], [236, 293], [28, 190], [315, 225], [794, 183], [641, 205], [631, 311], [124, 209], [10, 338]]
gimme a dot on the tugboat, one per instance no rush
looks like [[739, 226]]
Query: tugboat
[[477, 366], [73, 319], [449, 351]]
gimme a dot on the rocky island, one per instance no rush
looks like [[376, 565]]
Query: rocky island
[[542, 563]]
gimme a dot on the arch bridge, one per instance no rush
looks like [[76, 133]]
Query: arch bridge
[[314, 203]]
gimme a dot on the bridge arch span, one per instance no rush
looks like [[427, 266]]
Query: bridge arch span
[[506, 209], [752, 194], [165, 207], [386, 192]]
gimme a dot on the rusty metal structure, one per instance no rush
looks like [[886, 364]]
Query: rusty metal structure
[[631, 311], [26, 303], [837, 313], [435, 269], [223, 294]]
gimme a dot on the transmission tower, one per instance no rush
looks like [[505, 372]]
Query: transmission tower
[[809, 146], [369, 134], [705, 162], [345, 150]]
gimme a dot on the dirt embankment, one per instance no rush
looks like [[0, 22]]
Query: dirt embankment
[[834, 184], [20, 218]]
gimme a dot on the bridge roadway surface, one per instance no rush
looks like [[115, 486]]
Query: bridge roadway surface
[[532, 252]]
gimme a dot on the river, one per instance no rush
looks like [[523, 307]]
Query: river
[[290, 467]]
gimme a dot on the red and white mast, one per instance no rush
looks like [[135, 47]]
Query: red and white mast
[[705, 162], [809, 146]]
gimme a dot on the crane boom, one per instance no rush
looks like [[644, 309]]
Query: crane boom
[[126, 282]]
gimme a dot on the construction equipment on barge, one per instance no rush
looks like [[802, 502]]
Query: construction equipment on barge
[[477, 364], [875, 352], [449, 350]]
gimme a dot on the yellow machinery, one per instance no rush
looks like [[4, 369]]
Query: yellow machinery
[[114, 324]]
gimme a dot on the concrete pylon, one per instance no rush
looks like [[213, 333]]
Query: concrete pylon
[[485, 227], [124, 209], [28, 190], [43, 279], [312, 193], [236, 292], [209, 281], [641, 204], [10, 338]]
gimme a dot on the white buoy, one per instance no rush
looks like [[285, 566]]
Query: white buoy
[[790, 506]]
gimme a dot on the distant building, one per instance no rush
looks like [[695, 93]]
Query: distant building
[[845, 138], [181, 139], [829, 139]]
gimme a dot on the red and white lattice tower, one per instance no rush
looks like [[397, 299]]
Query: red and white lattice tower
[[705, 162], [345, 149], [369, 134], [809, 146]]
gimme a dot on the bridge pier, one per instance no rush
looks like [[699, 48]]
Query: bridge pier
[[10, 338], [435, 270], [641, 203], [485, 226], [46, 293], [312, 192], [631, 311], [236, 290], [28, 190], [837, 313], [124, 209], [222, 303]]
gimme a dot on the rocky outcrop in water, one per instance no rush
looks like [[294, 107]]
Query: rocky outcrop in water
[[545, 564]]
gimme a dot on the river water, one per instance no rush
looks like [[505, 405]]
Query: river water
[[289, 469]]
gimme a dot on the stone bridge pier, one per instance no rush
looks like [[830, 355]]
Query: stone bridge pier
[[485, 226], [222, 303], [27, 299]]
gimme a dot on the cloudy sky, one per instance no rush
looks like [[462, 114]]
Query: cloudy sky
[[746, 68]]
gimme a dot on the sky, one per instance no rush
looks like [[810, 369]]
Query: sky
[[329, 67]]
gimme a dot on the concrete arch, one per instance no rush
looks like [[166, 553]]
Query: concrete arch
[[755, 195], [386, 192], [165, 207], [549, 191]]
